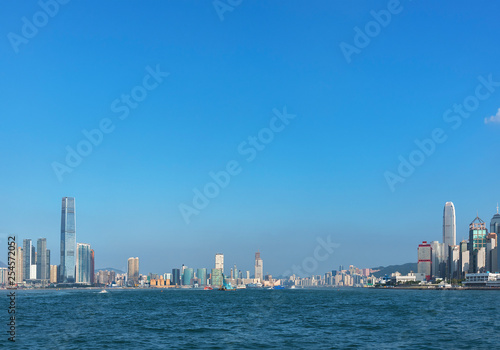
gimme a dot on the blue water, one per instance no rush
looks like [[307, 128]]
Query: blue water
[[256, 319]]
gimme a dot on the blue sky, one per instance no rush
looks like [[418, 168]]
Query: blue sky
[[323, 175]]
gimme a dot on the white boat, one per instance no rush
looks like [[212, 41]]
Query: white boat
[[103, 291]]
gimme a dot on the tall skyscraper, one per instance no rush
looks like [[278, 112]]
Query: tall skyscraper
[[188, 276], [259, 267], [19, 265], [27, 259], [495, 223], [83, 263], [92, 266], [219, 262], [42, 265], [176, 277], [216, 278], [133, 271], [477, 245], [53, 273], [201, 274], [425, 259], [68, 240], [477, 234], [449, 225]]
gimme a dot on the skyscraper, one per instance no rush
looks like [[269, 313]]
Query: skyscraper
[[176, 277], [27, 259], [477, 245], [449, 225], [201, 274], [42, 264], [219, 262], [68, 240], [477, 234], [92, 266], [425, 259], [259, 267], [83, 263], [188, 276], [495, 223], [19, 265], [133, 271]]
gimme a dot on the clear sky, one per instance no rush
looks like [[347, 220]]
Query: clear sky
[[324, 174]]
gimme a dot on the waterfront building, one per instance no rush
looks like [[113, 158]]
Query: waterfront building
[[68, 240], [133, 271], [449, 225], [92, 266], [27, 245], [485, 279], [438, 259], [176, 277], [452, 270], [259, 267], [477, 234], [188, 276], [424, 261], [83, 253], [201, 274], [464, 262], [43, 260], [216, 278], [477, 245], [54, 273], [219, 262]]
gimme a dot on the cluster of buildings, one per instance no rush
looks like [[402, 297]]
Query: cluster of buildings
[[32, 263], [449, 261]]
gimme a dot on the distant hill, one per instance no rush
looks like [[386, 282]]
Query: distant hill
[[110, 269], [387, 270]]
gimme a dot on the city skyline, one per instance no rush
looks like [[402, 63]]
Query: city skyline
[[208, 98]]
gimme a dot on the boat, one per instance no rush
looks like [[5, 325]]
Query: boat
[[278, 287], [208, 288], [254, 285], [103, 291]]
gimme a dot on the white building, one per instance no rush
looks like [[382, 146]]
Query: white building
[[486, 279]]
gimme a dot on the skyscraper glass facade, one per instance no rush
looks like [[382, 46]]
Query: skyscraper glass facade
[[68, 240], [83, 263]]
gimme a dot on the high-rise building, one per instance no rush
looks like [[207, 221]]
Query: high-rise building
[[463, 266], [477, 245], [219, 262], [425, 259], [92, 266], [43, 260], [477, 234], [491, 253], [449, 225], [19, 265], [259, 267], [201, 274], [176, 277], [83, 263], [439, 254], [53, 273], [133, 271], [187, 277], [216, 278], [68, 240], [495, 223], [27, 259]]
